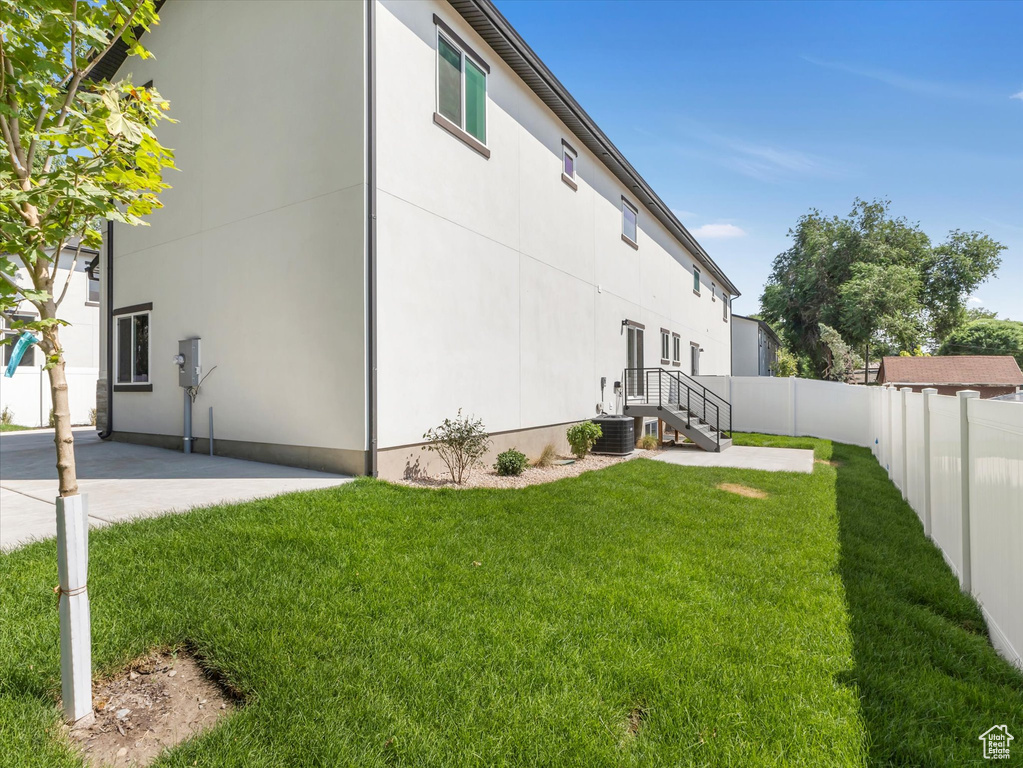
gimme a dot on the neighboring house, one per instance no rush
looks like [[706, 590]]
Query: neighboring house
[[386, 212], [27, 393], [990, 375], [866, 375], [755, 347]]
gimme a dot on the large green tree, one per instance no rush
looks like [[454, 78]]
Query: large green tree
[[73, 152], [986, 336], [875, 278]]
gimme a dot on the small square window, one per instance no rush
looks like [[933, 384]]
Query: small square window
[[28, 359], [629, 217], [568, 161]]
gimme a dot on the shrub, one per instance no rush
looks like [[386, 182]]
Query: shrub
[[461, 443], [92, 417], [510, 463], [582, 436], [6, 416], [649, 443], [51, 422], [546, 457]]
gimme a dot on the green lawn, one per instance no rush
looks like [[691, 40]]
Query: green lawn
[[815, 627], [12, 428]]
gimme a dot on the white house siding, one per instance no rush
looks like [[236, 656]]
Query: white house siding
[[745, 347], [260, 249], [501, 290], [27, 393]]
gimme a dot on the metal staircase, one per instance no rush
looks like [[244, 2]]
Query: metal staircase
[[682, 403]]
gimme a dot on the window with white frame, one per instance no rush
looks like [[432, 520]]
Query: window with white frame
[[724, 307], [665, 345], [461, 85], [713, 292], [569, 157], [133, 348], [28, 359], [629, 217], [696, 280], [93, 296], [676, 349]]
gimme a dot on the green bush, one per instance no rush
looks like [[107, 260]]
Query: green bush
[[510, 463], [460, 442], [582, 436], [6, 416]]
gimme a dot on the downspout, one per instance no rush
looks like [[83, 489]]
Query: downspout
[[108, 430], [371, 243]]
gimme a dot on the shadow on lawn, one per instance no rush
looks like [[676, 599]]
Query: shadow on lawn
[[929, 681]]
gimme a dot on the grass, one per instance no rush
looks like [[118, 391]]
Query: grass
[[12, 428], [633, 616]]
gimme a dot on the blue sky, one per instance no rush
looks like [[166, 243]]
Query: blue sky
[[743, 116]]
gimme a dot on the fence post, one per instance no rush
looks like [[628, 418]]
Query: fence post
[[927, 393], [888, 431], [905, 447], [964, 466], [792, 405]]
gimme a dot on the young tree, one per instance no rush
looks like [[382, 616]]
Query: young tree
[[73, 152]]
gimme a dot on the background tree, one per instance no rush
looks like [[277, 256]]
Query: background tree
[[987, 336], [73, 152], [847, 273], [880, 301]]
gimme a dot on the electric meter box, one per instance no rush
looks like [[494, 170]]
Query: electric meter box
[[190, 370]]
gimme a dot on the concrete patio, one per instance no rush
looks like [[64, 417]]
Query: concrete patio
[[740, 457], [126, 481]]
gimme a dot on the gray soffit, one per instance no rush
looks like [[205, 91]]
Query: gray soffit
[[499, 34]]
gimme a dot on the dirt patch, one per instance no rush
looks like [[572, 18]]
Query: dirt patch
[[743, 490], [159, 701], [489, 478], [831, 463]]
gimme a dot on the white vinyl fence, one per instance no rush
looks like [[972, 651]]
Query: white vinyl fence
[[27, 395], [957, 460]]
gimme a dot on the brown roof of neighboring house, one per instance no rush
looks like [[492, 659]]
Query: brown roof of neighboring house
[[1002, 370]]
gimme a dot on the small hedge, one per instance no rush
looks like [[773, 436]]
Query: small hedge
[[510, 463], [582, 436]]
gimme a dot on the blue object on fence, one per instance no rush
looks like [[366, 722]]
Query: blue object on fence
[[26, 340]]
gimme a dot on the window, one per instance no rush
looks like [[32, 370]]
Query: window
[[461, 89], [133, 348], [696, 281], [713, 292], [676, 349], [629, 214], [724, 307], [665, 346], [93, 297], [568, 160], [29, 358]]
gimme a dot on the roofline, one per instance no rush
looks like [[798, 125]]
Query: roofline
[[485, 19], [762, 324], [954, 383]]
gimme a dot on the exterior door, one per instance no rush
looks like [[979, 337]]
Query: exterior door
[[634, 362]]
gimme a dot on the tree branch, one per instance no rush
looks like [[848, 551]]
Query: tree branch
[[70, 274], [113, 40]]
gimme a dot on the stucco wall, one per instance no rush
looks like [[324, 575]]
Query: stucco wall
[[502, 291], [745, 347], [260, 247]]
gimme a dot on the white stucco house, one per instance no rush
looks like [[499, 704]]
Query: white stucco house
[[387, 211], [755, 347], [26, 395]]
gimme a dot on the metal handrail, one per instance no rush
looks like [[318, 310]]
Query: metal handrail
[[703, 397]]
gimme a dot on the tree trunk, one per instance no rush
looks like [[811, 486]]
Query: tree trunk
[[63, 436], [866, 364]]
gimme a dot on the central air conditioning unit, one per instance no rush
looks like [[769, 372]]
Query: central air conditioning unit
[[618, 435]]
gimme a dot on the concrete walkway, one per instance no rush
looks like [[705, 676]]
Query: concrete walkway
[[740, 457], [127, 481]]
